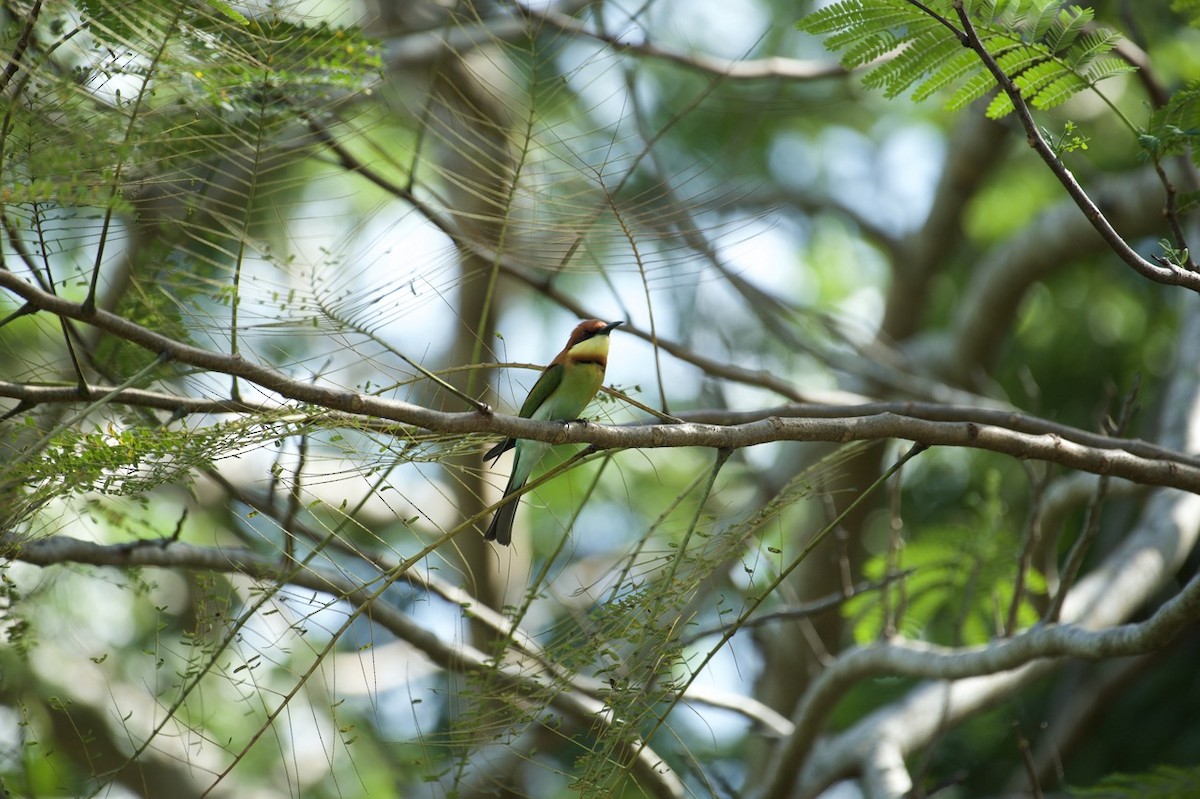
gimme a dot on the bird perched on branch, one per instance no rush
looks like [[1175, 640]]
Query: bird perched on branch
[[561, 393]]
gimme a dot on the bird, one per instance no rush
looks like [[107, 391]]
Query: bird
[[561, 393]]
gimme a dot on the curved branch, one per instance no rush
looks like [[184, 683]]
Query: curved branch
[[917, 659], [774, 67]]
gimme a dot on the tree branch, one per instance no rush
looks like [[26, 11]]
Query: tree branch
[[1009, 420], [929, 661], [774, 67], [26, 38], [1049, 447]]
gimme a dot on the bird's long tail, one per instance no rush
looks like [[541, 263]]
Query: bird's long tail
[[529, 453], [500, 530]]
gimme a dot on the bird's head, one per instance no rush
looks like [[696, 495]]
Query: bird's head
[[589, 340]]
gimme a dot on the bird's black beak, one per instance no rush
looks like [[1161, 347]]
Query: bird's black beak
[[608, 328]]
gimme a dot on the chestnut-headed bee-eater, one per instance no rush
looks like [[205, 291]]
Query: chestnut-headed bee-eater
[[561, 393]]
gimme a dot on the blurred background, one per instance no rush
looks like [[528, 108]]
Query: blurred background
[[358, 194]]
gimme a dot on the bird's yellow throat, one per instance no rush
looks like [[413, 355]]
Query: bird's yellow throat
[[594, 348]]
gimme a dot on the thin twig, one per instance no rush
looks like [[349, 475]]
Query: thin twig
[[295, 493], [1033, 537], [1027, 759], [806, 610], [14, 60], [1092, 525]]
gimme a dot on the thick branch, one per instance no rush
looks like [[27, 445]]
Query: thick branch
[[917, 659], [1011, 421], [1047, 447]]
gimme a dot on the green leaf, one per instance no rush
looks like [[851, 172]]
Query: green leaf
[[1040, 25], [1066, 27], [1047, 50], [980, 84], [1164, 782], [962, 63], [1062, 89], [229, 11]]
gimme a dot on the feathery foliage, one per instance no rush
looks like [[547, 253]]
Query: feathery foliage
[[1049, 51], [1164, 782], [1174, 129], [183, 117]]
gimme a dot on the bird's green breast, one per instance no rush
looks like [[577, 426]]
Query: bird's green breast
[[580, 382]]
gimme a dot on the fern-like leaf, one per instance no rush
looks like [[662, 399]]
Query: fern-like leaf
[[1031, 82], [1040, 26], [978, 85], [1066, 28], [910, 63], [960, 64], [1164, 782], [1175, 129], [1059, 91], [1048, 51], [1093, 45]]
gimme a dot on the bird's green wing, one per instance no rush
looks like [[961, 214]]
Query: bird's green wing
[[550, 379], [546, 385]]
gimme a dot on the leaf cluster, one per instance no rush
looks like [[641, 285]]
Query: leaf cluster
[[160, 89], [121, 460], [1174, 129], [1051, 53], [1164, 782]]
